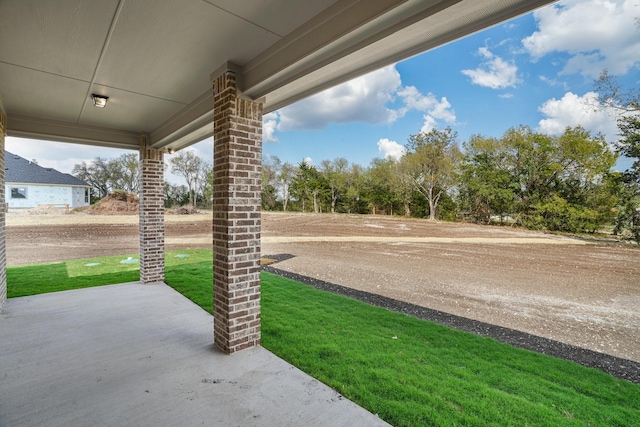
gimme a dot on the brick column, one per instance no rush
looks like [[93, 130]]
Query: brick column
[[151, 215], [3, 253], [236, 217]]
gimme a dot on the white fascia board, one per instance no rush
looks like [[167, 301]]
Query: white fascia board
[[328, 33]]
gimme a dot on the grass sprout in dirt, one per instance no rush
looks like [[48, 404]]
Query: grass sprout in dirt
[[408, 371]]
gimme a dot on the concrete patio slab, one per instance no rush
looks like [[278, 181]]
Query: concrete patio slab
[[142, 355]]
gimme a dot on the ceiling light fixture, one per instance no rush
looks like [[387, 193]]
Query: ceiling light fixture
[[170, 150], [99, 100]]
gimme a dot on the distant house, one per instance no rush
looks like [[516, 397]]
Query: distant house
[[28, 185]]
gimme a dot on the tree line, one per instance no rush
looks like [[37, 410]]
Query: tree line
[[560, 183], [122, 174], [525, 178]]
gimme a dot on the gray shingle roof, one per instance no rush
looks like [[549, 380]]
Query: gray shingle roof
[[21, 170]]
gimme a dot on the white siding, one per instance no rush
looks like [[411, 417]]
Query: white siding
[[46, 195], [78, 197]]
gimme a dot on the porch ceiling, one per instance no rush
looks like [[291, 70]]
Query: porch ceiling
[[154, 60]]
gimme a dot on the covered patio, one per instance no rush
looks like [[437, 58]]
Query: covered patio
[[141, 355], [156, 79]]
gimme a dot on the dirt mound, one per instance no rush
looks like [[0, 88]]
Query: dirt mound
[[117, 203]]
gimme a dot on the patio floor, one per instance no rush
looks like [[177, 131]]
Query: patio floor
[[142, 355]]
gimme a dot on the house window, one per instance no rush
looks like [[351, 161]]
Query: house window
[[18, 193], [86, 195]]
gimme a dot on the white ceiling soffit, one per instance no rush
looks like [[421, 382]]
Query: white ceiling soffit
[[154, 61]]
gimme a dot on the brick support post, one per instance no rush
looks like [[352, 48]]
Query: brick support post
[[3, 253], [236, 217], [151, 215]]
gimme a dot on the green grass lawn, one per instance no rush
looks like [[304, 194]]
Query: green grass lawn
[[409, 371]]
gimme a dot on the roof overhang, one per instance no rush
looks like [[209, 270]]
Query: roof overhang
[[155, 63]]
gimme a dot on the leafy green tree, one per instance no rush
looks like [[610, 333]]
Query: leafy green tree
[[581, 179], [354, 198], [402, 187], [95, 173], [377, 193], [318, 186], [175, 195], [271, 167], [309, 186], [124, 173], [382, 187], [204, 185], [530, 159], [549, 182], [629, 143], [625, 102], [565, 172], [431, 165], [108, 175], [188, 165], [285, 180], [487, 186], [627, 221], [335, 175], [585, 163], [614, 96]]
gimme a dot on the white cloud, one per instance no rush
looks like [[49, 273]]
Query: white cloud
[[390, 149], [597, 33], [506, 96], [553, 82], [435, 110], [574, 110], [269, 126], [442, 110], [308, 161], [429, 124], [414, 100], [360, 100], [365, 99], [58, 155], [494, 72]]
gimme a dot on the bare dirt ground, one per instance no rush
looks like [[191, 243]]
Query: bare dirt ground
[[582, 292]]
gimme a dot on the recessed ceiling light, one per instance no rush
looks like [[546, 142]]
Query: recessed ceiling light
[[99, 100]]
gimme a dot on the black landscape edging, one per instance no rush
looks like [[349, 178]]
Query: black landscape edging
[[618, 367]]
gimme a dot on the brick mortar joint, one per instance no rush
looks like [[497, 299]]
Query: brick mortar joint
[[150, 155], [224, 83], [225, 91]]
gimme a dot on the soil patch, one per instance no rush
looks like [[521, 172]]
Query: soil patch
[[46, 210], [550, 286], [115, 204]]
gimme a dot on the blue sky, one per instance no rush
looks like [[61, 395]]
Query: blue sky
[[536, 70]]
